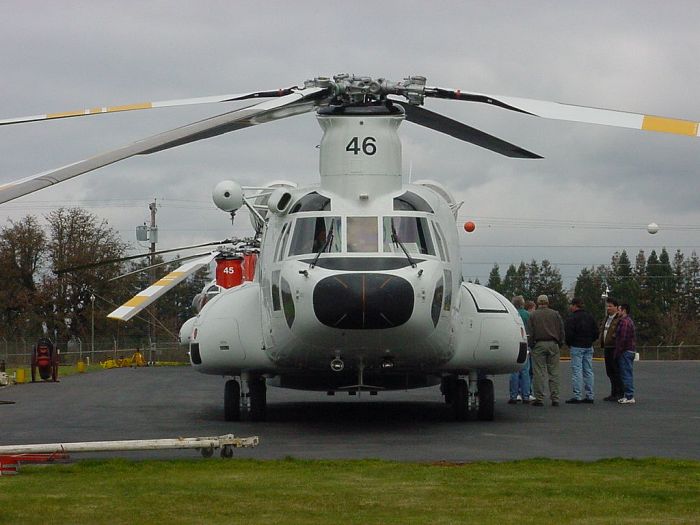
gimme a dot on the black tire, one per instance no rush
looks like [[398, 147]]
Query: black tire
[[232, 400], [459, 400], [447, 387], [258, 399], [487, 401]]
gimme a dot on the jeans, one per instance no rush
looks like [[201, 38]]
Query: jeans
[[624, 362], [520, 381], [582, 371]]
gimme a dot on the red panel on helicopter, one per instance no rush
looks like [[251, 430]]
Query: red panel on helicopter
[[229, 271], [249, 261]]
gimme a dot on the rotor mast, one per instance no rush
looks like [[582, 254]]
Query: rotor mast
[[360, 149]]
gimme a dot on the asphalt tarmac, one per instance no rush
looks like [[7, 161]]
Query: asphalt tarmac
[[414, 425]]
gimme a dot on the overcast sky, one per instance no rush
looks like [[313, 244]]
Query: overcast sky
[[629, 55]]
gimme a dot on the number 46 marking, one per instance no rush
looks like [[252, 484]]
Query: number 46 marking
[[369, 146]]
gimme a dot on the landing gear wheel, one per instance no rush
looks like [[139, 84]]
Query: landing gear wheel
[[258, 399], [227, 451], [485, 411], [459, 400], [207, 452], [232, 401], [447, 386]]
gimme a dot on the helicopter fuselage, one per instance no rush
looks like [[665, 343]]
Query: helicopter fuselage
[[361, 274]]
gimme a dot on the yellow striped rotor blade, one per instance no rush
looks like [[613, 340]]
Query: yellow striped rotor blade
[[148, 296], [147, 105], [573, 113]]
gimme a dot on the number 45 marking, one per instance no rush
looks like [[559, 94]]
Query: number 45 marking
[[369, 146]]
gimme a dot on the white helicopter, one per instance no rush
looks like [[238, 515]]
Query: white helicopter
[[358, 285]]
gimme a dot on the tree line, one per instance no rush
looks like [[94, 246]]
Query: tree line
[[35, 298], [664, 293]]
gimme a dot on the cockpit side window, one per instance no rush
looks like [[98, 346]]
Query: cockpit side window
[[442, 234], [311, 202], [438, 241], [310, 235], [410, 201], [281, 242], [413, 232], [363, 234]]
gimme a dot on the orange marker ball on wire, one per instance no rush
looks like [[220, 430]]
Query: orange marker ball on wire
[[469, 226]]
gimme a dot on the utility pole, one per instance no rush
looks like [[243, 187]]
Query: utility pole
[[153, 237]]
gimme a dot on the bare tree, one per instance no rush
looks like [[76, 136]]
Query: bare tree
[[22, 249], [79, 238]]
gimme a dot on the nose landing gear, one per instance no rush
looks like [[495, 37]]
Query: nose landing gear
[[253, 402], [469, 396]]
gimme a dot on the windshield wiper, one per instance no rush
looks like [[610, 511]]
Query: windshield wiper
[[329, 239], [395, 239]]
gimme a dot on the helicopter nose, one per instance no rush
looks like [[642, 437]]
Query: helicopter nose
[[363, 301]]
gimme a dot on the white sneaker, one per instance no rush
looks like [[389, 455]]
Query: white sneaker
[[625, 401], [519, 398], [532, 398]]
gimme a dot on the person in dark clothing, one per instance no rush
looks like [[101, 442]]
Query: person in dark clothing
[[607, 343], [625, 352], [581, 331]]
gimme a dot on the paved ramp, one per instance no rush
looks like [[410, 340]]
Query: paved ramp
[[150, 403]]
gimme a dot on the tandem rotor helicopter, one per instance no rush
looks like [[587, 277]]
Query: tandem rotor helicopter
[[354, 284]]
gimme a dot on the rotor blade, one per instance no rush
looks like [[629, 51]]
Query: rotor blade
[[437, 122], [589, 115], [146, 268], [131, 257], [148, 105], [299, 102], [146, 297]]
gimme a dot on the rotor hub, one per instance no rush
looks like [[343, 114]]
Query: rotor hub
[[351, 89]]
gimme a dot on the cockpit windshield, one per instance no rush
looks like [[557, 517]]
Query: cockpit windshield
[[412, 232], [311, 233]]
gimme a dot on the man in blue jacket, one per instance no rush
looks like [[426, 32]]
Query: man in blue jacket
[[581, 330]]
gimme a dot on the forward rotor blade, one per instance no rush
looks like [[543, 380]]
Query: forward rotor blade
[[437, 122], [148, 105], [61, 271], [572, 113], [146, 297], [294, 104]]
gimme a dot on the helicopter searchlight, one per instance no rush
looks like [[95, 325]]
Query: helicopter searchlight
[[362, 265], [228, 196]]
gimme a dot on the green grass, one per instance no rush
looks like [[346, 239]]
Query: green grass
[[63, 371], [294, 491]]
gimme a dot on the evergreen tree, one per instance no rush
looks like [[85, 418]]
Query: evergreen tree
[[551, 285], [511, 286], [589, 287], [531, 283], [495, 279]]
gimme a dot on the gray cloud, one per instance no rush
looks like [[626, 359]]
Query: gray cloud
[[630, 55]]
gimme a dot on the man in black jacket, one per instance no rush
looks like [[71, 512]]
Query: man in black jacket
[[581, 330]]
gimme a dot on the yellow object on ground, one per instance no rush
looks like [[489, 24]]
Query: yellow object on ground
[[81, 366], [122, 362], [20, 376], [138, 360]]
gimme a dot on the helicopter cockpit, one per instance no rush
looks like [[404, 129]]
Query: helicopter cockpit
[[361, 235]]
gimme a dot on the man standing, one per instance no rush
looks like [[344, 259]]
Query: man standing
[[625, 352], [546, 336], [520, 381], [581, 331], [607, 342]]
